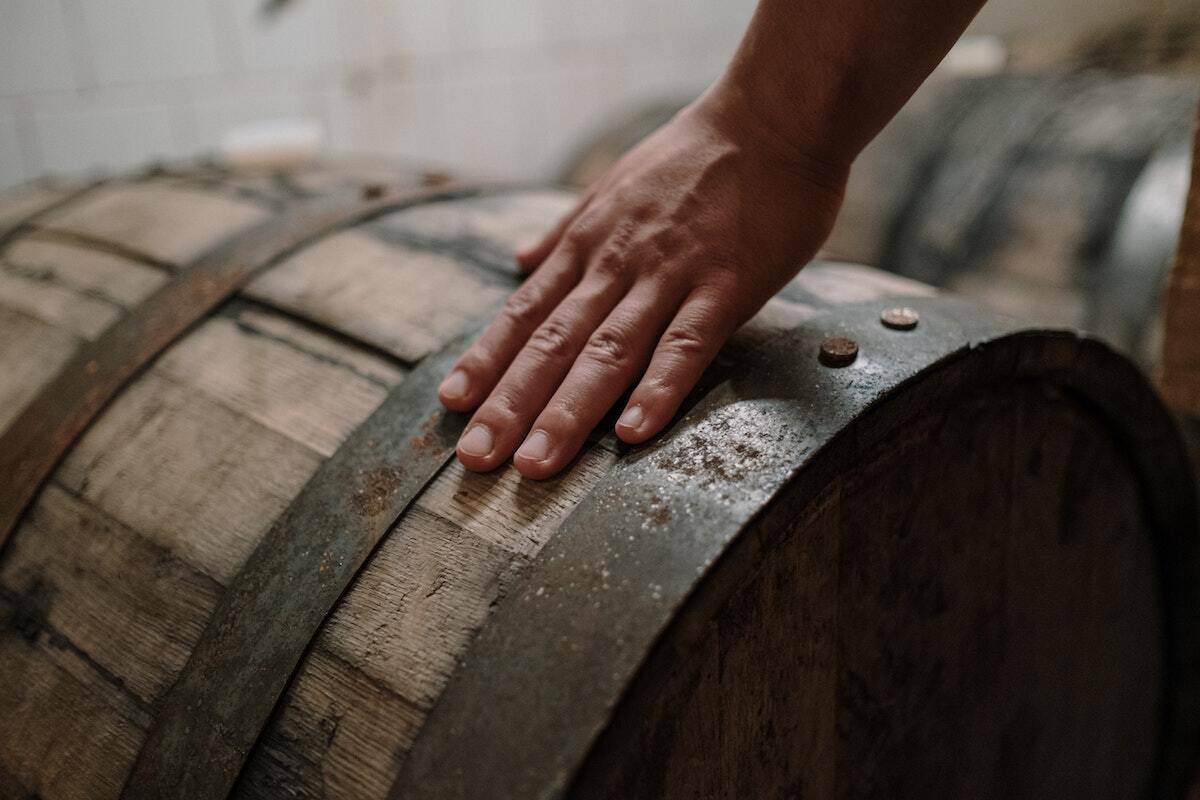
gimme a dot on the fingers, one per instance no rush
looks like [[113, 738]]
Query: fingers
[[530, 258], [614, 356], [478, 370], [704, 322], [501, 422]]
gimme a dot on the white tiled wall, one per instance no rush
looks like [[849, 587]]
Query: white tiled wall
[[502, 87], [505, 88]]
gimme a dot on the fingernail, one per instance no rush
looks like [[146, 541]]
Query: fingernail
[[632, 418], [536, 447], [456, 385], [477, 441]]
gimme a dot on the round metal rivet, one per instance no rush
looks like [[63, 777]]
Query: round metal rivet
[[900, 319], [373, 191], [838, 351]]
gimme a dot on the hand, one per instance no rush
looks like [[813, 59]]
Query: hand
[[663, 259]]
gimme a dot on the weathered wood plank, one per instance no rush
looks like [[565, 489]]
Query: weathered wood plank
[[405, 301], [169, 224], [134, 608], [86, 270], [337, 734], [488, 228], [501, 507], [321, 344], [22, 202], [32, 352], [411, 613], [315, 399], [65, 732], [194, 476], [408, 619], [31, 293]]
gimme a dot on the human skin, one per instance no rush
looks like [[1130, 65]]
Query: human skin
[[691, 232]]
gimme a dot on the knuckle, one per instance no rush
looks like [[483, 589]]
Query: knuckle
[[502, 408], [609, 347], [551, 340], [582, 231], [576, 236], [524, 306], [610, 262], [657, 390], [684, 339]]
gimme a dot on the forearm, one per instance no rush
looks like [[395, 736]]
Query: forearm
[[822, 78]]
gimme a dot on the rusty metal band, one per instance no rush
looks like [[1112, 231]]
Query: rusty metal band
[[252, 644], [548, 673], [41, 435]]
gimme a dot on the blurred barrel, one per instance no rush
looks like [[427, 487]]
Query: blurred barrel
[[1056, 197], [895, 546]]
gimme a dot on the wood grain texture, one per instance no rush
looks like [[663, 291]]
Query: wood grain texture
[[52, 297], [1180, 376], [485, 230], [32, 352], [406, 301], [398, 634], [170, 224], [82, 268]]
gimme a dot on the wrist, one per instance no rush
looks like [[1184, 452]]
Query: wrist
[[735, 111]]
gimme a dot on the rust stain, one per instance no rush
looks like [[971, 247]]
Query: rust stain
[[428, 439], [377, 487], [659, 515]]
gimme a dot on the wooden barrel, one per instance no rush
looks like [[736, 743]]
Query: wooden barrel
[[239, 558]]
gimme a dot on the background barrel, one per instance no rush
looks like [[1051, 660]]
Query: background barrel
[[963, 565], [1053, 196]]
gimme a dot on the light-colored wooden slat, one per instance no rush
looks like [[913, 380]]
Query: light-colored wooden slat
[[338, 734], [192, 475], [413, 609], [304, 337], [409, 617], [55, 304], [504, 221], [86, 270], [407, 302], [21, 202], [170, 224], [130, 605], [31, 352], [513, 513], [316, 401]]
